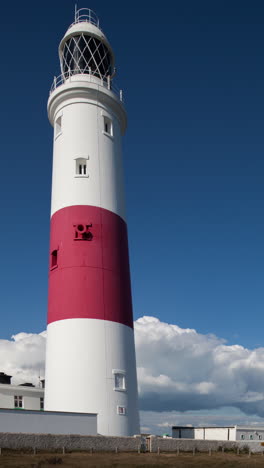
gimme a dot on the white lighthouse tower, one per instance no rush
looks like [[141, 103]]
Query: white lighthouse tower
[[90, 359]]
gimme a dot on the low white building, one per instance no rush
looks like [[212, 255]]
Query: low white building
[[22, 410], [25, 396], [218, 433]]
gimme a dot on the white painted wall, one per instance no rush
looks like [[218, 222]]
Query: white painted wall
[[220, 433], [199, 433], [82, 136], [41, 422], [232, 433], [216, 433], [205, 433], [31, 396], [250, 433], [81, 377]]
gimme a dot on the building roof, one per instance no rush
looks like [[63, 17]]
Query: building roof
[[203, 427]]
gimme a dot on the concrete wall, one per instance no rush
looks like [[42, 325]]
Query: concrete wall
[[187, 445], [123, 444], [69, 442], [45, 422]]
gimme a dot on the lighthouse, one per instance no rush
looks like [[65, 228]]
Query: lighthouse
[[90, 356]]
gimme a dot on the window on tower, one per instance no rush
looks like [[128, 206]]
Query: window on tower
[[81, 167], [121, 410], [54, 259], [119, 380], [108, 126], [58, 126]]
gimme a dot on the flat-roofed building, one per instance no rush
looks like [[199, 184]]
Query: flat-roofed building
[[218, 432], [24, 396]]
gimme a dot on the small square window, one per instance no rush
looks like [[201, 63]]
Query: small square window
[[18, 401], [41, 403], [108, 126], [121, 410], [251, 437], [260, 437], [58, 126], [242, 437]]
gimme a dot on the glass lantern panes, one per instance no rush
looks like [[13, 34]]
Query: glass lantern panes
[[86, 54]]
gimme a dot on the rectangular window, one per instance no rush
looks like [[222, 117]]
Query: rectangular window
[[81, 167], [18, 401], [54, 259], [119, 379], [108, 126], [58, 127], [120, 383], [41, 403], [121, 410]]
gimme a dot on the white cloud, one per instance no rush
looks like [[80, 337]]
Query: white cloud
[[23, 357], [179, 370]]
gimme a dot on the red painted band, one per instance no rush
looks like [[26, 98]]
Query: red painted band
[[89, 266]]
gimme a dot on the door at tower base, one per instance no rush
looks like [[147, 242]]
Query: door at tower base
[[108, 384]]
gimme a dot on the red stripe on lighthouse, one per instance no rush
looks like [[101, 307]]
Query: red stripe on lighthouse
[[89, 266]]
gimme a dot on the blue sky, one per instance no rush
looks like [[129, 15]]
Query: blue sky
[[193, 80]]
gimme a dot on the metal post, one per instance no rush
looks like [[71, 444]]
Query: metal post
[[121, 95], [75, 15], [108, 82]]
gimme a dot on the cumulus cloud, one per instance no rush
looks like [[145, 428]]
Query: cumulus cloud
[[23, 357], [178, 369]]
